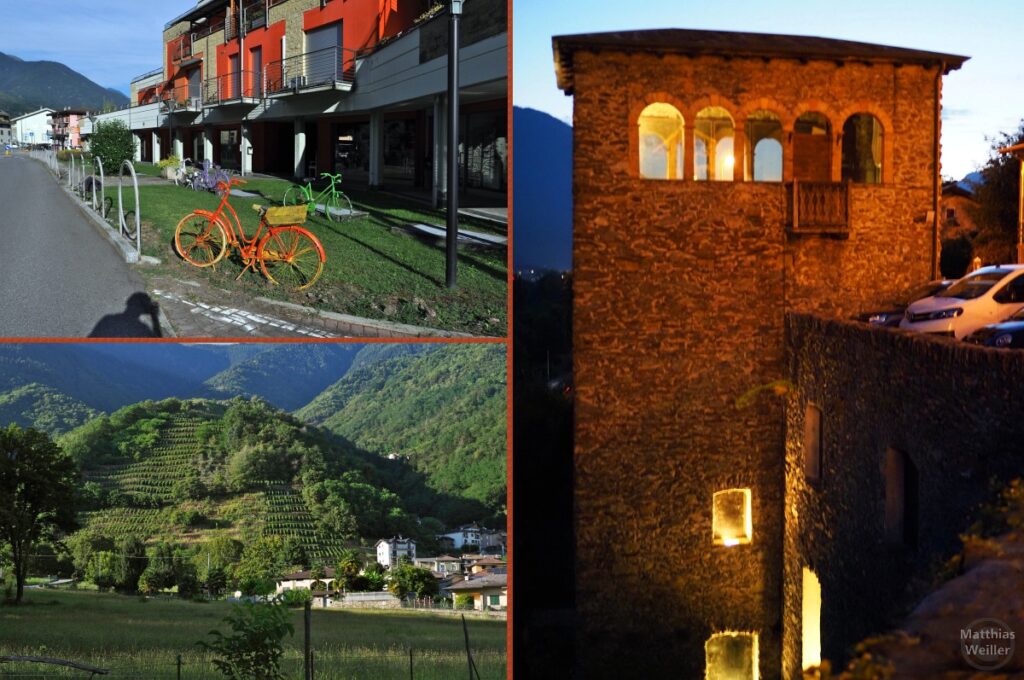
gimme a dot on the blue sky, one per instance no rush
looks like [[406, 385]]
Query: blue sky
[[108, 41], [982, 99]]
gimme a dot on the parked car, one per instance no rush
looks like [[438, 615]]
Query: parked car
[[983, 297], [1008, 334], [892, 310]]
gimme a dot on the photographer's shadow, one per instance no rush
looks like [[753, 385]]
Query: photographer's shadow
[[129, 323]]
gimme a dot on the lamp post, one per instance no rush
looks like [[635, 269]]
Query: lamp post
[[452, 235]]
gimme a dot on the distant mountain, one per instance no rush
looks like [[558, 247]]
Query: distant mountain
[[542, 207], [972, 181], [285, 375], [29, 85]]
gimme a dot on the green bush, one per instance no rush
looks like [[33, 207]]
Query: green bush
[[171, 161], [297, 597], [463, 601], [254, 650], [113, 143]]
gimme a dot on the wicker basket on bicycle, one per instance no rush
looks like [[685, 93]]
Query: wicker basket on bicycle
[[281, 216]]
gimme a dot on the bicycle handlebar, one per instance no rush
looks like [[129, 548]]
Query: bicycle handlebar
[[330, 176]]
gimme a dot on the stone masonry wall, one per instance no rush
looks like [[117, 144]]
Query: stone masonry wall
[[681, 290], [953, 408]]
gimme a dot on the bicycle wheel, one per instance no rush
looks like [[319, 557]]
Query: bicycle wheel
[[200, 240], [294, 196], [291, 257], [339, 208]]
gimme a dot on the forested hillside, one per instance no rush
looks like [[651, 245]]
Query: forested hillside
[[439, 410]]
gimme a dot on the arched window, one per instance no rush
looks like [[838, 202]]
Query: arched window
[[862, 149], [812, 148], [764, 144], [713, 145], [661, 142]]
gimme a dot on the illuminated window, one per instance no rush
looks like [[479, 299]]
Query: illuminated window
[[731, 656], [731, 523], [900, 499], [764, 144], [862, 149], [812, 442], [661, 142], [812, 148], [811, 620], [713, 145]]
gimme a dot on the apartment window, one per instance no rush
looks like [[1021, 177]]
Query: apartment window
[[813, 435], [713, 151], [731, 656], [661, 142], [731, 522], [323, 62], [764, 144], [901, 499], [862, 149], [812, 148]]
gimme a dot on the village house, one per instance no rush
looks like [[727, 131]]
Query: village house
[[390, 551], [304, 580], [489, 591]]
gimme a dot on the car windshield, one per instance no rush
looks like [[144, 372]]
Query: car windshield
[[919, 292], [975, 285]]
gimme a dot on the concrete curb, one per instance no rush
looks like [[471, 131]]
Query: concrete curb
[[379, 328]]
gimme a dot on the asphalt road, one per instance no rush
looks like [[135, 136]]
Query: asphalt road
[[59, 276]]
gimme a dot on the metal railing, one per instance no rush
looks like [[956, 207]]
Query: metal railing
[[181, 47], [231, 87], [122, 216], [330, 67], [212, 25], [820, 207], [255, 15], [182, 98]]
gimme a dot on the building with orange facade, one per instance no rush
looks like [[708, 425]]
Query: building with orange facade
[[301, 87]]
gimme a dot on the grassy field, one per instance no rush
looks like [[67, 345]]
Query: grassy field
[[374, 269], [137, 638]]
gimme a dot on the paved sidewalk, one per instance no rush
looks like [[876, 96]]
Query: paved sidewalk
[[196, 310]]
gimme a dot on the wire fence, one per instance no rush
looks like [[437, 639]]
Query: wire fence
[[410, 664]]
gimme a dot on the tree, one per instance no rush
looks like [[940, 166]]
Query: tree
[[129, 563], [37, 494], [260, 565], [102, 569], [254, 650], [113, 143], [996, 196], [348, 567], [405, 579]]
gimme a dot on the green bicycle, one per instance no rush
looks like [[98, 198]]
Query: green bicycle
[[336, 205]]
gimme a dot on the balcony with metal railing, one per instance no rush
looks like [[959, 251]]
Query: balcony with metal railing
[[181, 99], [820, 208], [333, 68], [181, 48], [233, 89]]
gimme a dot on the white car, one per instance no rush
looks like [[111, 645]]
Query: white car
[[983, 297]]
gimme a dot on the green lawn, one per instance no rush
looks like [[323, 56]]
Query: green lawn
[[141, 639], [373, 268]]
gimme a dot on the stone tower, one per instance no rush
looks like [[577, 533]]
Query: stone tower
[[721, 180]]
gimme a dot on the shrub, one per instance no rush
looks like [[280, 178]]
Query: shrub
[[463, 601], [297, 597], [113, 143], [254, 650], [171, 161]]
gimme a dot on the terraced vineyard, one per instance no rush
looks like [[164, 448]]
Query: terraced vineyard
[[288, 517], [122, 521], [162, 467]]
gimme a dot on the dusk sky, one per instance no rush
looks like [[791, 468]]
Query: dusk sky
[[983, 98], [107, 41]]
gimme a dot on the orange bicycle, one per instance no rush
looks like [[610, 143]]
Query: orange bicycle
[[288, 254]]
